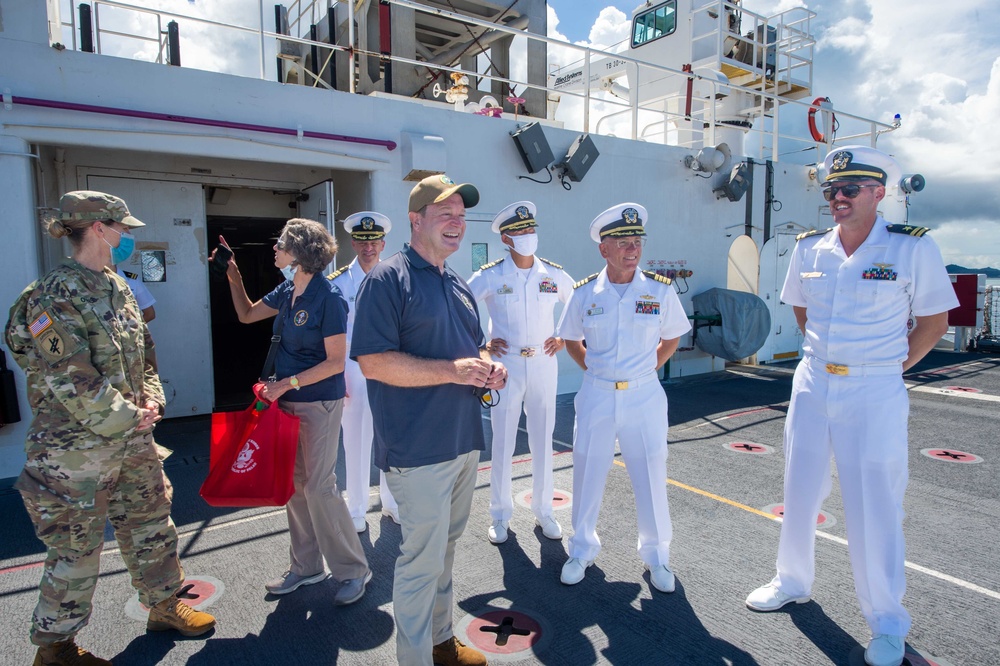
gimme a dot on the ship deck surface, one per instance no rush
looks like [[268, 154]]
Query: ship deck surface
[[724, 545]]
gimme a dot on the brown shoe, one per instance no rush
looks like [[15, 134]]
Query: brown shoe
[[172, 613], [67, 653], [454, 653]]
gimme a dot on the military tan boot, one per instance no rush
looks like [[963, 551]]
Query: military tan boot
[[172, 613], [454, 652], [67, 653]]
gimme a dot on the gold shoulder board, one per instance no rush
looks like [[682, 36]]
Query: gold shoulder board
[[337, 273], [585, 280], [656, 276], [814, 232], [551, 263], [492, 264], [906, 229]]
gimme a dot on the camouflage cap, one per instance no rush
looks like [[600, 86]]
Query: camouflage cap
[[88, 205], [435, 189]]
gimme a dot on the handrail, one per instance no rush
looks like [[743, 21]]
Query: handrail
[[793, 44]]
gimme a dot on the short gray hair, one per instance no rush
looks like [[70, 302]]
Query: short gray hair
[[310, 243]]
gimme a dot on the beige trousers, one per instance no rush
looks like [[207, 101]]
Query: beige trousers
[[319, 524]]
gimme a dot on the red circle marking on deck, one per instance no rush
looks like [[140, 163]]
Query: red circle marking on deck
[[963, 389], [560, 499], [504, 632], [749, 447], [951, 455], [822, 520], [203, 592]]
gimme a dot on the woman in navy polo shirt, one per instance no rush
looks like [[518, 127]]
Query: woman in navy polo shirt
[[310, 371]]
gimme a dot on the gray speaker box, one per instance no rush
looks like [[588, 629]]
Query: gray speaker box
[[533, 147], [581, 156]]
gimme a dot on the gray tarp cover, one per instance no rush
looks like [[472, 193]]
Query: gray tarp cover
[[745, 323]]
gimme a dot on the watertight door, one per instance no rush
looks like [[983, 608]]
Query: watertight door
[[172, 245], [319, 206], [785, 341]]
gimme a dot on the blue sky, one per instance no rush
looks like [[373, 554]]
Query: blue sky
[[936, 64], [576, 17]]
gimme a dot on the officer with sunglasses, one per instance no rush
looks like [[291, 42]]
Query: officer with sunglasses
[[853, 288], [631, 320]]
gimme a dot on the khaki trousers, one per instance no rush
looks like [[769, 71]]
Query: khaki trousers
[[434, 503], [319, 524]]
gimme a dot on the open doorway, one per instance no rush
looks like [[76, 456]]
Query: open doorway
[[239, 350]]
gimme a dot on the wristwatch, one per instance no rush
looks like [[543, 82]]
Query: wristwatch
[[294, 381]]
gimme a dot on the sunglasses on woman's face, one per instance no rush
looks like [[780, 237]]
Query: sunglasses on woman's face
[[850, 191]]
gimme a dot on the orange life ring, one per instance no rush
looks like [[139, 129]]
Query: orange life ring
[[813, 129]]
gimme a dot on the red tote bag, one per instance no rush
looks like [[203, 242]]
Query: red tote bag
[[252, 460]]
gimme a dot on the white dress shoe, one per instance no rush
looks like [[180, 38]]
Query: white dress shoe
[[392, 514], [770, 598], [662, 578], [360, 524], [498, 531], [885, 650], [573, 570], [550, 528]]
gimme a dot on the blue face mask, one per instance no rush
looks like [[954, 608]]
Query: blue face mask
[[126, 244], [289, 271]]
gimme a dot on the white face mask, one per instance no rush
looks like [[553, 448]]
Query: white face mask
[[289, 271], [525, 245]]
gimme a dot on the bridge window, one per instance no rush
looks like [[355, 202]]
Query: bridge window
[[654, 23]]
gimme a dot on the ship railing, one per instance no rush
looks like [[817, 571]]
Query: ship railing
[[666, 118]]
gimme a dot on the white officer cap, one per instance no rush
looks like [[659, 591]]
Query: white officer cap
[[860, 163], [367, 225], [625, 219], [519, 215]]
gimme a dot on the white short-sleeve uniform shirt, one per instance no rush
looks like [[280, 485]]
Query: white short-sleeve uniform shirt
[[857, 307], [622, 332], [521, 303]]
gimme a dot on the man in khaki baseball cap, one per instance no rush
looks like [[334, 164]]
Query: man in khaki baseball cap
[[435, 189], [88, 205]]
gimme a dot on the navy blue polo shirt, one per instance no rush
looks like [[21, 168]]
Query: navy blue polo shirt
[[406, 304], [320, 312]]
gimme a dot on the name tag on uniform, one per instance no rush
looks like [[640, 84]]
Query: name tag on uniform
[[814, 274], [595, 311], [505, 290], [547, 286], [647, 307]]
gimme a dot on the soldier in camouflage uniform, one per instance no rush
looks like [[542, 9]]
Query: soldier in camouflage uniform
[[79, 336]]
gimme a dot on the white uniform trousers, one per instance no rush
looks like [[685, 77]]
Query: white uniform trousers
[[637, 416], [358, 434], [434, 505], [861, 420], [531, 382]]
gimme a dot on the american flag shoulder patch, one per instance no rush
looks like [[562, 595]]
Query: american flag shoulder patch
[[38, 326]]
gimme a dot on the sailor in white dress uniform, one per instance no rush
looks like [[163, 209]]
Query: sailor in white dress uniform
[[631, 321], [367, 230], [521, 293], [853, 288]]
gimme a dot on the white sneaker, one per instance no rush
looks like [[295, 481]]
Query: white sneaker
[[574, 570], [551, 529], [392, 514], [885, 650], [498, 531], [662, 578], [770, 598], [360, 524]]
